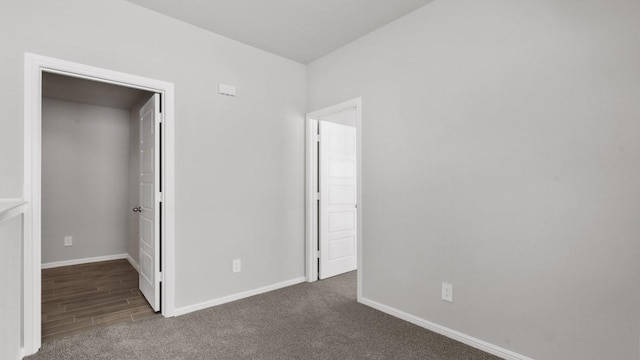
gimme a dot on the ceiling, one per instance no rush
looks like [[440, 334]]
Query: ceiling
[[300, 30], [83, 91]]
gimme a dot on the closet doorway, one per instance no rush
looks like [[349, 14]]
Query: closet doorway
[[94, 159], [99, 181]]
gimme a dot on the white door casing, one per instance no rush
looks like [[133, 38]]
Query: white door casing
[[338, 209], [34, 66], [149, 208]]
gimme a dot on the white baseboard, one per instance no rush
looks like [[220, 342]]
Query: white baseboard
[[133, 263], [84, 261], [238, 296], [452, 334]]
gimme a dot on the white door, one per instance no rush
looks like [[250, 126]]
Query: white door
[[337, 177], [150, 202]]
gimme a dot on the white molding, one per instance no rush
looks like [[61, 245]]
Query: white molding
[[31, 248], [168, 202], [311, 227], [311, 184], [83, 261], [34, 65], [10, 208], [133, 262], [10, 201], [238, 296], [445, 331]]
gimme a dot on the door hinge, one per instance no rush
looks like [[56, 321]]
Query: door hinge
[[161, 197], [318, 254], [161, 277], [160, 117], [317, 137], [318, 196]]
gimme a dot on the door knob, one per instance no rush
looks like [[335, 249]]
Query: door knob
[[137, 209]]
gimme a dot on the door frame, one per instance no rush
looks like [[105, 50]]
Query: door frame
[[34, 66], [311, 171]]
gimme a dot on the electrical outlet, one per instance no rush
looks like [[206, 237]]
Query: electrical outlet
[[447, 292], [237, 266], [68, 241]]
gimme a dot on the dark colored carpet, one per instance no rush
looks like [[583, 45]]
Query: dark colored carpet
[[307, 321]]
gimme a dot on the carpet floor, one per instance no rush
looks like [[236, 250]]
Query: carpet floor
[[321, 320]]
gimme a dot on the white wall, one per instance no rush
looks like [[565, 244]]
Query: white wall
[[501, 152], [85, 174], [10, 296], [239, 161]]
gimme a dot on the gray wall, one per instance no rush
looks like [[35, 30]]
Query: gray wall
[[501, 152], [85, 174], [10, 296], [239, 161], [347, 118]]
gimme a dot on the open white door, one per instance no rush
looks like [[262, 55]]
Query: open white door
[[150, 202], [337, 177]]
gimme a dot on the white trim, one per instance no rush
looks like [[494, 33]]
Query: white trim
[[84, 261], [31, 251], [238, 296], [133, 263], [34, 65], [4, 202], [311, 228], [10, 208], [311, 186], [168, 203], [442, 330]]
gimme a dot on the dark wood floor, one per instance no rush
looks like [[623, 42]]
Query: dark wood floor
[[81, 297]]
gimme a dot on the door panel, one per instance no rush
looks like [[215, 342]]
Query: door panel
[[341, 195], [341, 248], [338, 213], [342, 168], [149, 202], [341, 221]]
